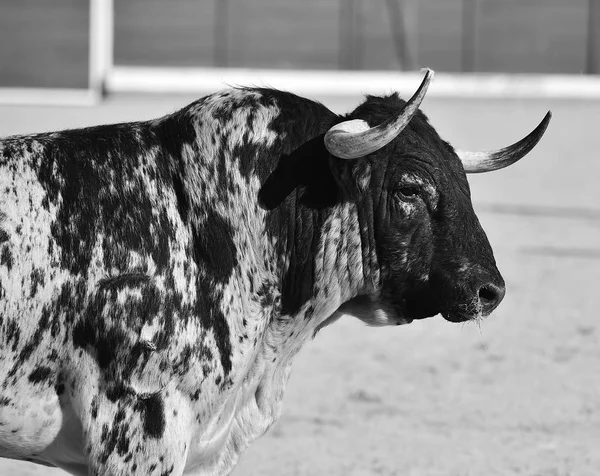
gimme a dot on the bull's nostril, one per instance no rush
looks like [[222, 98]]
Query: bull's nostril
[[486, 294], [490, 296]]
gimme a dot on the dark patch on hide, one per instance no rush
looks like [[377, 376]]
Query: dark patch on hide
[[105, 326], [153, 415], [208, 301], [183, 203], [6, 257], [266, 297], [11, 148], [118, 391], [37, 280], [94, 410], [216, 256], [122, 281], [168, 472], [105, 342], [54, 318], [40, 374], [94, 171], [12, 334], [196, 395], [245, 152], [214, 249], [33, 343], [114, 437], [173, 133], [3, 235]]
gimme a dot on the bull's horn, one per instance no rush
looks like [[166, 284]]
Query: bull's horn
[[477, 162], [354, 138]]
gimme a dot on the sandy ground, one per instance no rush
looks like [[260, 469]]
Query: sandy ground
[[517, 395]]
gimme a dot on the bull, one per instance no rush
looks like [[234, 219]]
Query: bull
[[157, 278]]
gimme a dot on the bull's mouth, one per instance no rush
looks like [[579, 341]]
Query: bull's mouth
[[451, 315], [459, 313]]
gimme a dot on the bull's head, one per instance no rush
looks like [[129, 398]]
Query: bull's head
[[413, 198]]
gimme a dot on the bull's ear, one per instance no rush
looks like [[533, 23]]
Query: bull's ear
[[307, 169]]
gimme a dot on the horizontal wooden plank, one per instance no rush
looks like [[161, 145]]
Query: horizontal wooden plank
[[383, 42], [266, 33], [44, 44], [284, 33], [546, 36], [164, 33], [509, 35], [440, 34]]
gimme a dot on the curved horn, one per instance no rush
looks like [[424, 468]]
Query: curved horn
[[478, 162], [354, 138]]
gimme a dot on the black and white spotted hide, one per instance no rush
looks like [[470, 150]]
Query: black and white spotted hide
[[149, 306], [157, 278]]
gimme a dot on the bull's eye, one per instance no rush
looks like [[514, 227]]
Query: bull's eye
[[409, 191]]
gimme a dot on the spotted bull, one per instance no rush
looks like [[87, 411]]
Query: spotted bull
[[157, 278]]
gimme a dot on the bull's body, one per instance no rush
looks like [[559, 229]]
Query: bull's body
[[140, 288], [157, 278]]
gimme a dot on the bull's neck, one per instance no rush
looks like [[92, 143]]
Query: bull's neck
[[323, 257]]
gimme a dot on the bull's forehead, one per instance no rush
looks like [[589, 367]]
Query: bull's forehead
[[421, 150]]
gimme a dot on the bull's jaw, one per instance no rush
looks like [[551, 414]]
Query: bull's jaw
[[376, 313]]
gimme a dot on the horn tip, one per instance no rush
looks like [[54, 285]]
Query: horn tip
[[545, 121], [429, 73]]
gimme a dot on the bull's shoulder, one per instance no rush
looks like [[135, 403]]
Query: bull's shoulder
[[238, 135]]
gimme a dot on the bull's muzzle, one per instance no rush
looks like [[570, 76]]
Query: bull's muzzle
[[486, 294]]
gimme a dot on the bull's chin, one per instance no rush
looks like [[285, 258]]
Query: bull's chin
[[455, 316]]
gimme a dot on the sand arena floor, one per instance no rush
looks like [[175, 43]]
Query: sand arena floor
[[517, 395]]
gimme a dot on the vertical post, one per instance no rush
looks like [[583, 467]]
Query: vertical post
[[411, 26], [101, 47], [469, 35], [593, 37], [358, 43], [346, 34], [403, 24], [221, 33]]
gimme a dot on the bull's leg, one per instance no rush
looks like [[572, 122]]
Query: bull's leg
[[128, 434]]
